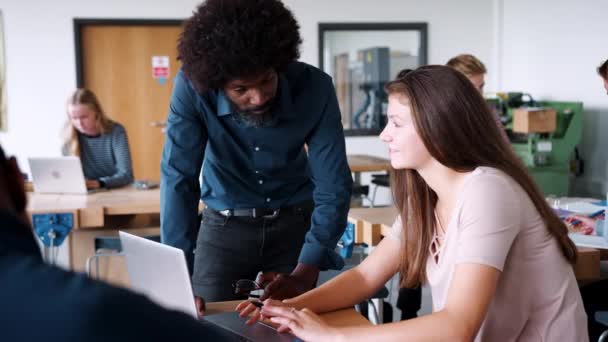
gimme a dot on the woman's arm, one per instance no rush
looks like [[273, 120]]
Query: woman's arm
[[122, 155], [355, 285], [469, 297]]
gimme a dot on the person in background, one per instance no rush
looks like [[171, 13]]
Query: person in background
[[472, 225], [475, 71], [472, 68], [594, 294], [244, 109], [40, 302], [101, 143]]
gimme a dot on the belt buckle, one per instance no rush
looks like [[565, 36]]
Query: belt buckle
[[274, 214], [226, 212]]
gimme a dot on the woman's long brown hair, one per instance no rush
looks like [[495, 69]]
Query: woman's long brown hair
[[459, 131]]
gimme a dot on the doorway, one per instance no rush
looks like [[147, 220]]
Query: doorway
[[123, 62]]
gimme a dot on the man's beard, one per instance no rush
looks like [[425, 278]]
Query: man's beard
[[253, 117]]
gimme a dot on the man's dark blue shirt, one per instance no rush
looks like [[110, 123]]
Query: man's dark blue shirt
[[253, 167]]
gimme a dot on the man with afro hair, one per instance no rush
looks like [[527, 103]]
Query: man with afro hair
[[266, 131]]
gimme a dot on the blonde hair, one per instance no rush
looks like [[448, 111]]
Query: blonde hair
[[81, 96], [467, 64]]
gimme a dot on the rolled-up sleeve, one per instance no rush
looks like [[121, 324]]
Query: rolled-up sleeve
[[333, 186], [183, 153]]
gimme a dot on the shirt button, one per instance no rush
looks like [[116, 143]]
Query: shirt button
[[257, 148], [268, 200], [261, 181], [256, 171]]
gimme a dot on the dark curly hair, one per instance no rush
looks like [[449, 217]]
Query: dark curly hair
[[603, 70], [227, 39]]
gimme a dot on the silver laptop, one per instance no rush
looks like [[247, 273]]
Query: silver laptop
[[58, 175], [160, 272]]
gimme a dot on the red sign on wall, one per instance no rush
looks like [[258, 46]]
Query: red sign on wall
[[160, 68]]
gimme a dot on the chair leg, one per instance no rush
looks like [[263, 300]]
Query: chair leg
[[88, 265], [375, 305], [97, 267], [374, 196]]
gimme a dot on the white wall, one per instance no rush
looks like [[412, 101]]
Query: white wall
[[41, 64], [551, 49], [40, 61]]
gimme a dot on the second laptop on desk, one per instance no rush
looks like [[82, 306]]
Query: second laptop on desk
[[61, 175]]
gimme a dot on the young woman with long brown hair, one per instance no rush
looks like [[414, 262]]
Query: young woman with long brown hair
[[473, 226], [100, 142]]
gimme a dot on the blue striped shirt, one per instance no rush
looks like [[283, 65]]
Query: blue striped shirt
[[106, 157]]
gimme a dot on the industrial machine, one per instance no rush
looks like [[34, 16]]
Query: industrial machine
[[544, 134], [375, 67]]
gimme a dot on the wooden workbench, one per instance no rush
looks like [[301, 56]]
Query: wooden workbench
[[101, 214], [371, 223], [364, 163], [92, 210]]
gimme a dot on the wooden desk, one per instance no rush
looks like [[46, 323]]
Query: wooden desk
[[360, 163], [371, 224], [340, 318], [102, 214], [92, 210], [363, 163]]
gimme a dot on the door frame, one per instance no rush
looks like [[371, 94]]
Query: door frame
[[81, 23]]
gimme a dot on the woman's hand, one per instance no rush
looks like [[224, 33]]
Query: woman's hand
[[304, 323], [580, 224], [253, 309]]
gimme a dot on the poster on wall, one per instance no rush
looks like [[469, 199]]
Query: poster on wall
[[3, 98], [160, 68]]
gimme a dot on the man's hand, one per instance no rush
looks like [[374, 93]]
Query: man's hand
[[92, 184], [303, 278], [200, 306]]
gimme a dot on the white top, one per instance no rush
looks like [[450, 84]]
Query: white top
[[495, 223]]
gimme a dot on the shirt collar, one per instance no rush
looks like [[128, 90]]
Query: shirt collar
[[224, 107], [285, 108]]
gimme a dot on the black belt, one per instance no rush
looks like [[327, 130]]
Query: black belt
[[251, 212], [263, 212]]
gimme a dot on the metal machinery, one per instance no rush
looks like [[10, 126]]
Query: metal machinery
[[375, 68], [551, 157]]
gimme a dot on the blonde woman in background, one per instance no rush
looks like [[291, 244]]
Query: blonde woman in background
[[100, 143], [475, 71], [472, 68]]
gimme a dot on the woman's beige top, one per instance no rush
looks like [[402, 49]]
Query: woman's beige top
[[496, 224]]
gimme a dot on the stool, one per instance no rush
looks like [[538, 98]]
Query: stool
[[379, 180], [111, 243], [359, 192]]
